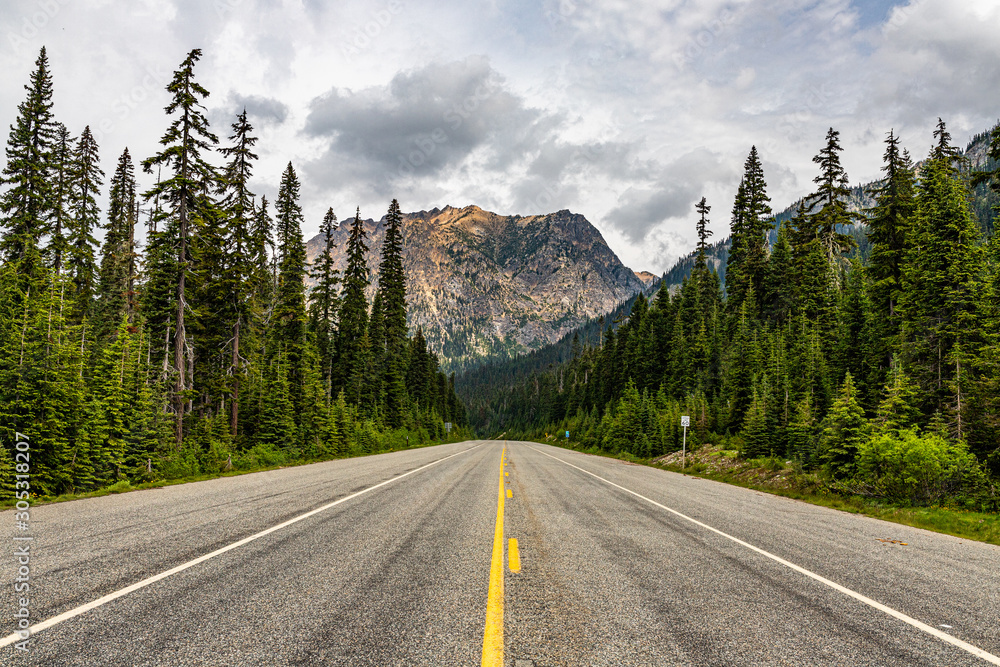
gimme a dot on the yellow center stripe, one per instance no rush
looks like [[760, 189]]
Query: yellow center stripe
[[510, 494], [513, 555], [493, 632]]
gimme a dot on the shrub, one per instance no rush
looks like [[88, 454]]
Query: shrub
[[923, 468]]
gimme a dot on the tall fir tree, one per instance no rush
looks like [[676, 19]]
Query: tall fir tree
[[324, 298], [352, 320], [747, 264], [289, 318], [83, 221], [831, 198], [26, 204], [778, 294], [240, 269], [392, 288], [183, 194], [263, 238], [941, 280], [889, 226], [61, 180], [289, 313], [113, 283]]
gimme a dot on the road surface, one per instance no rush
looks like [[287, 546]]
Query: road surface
[[407, 559]]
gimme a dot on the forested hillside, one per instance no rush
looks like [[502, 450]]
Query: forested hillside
[[201, 351], [880, 369]]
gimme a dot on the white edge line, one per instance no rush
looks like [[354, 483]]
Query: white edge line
[[944, 636], [66, 615]]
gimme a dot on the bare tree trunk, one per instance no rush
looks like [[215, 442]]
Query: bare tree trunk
[[130, 285], [958, 395], [24, 327], [234, 406]]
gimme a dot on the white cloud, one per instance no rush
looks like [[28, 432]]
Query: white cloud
[[625, 112]]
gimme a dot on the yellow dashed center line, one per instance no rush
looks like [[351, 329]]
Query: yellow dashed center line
[[510, 494], [513, 555], [493, 632]]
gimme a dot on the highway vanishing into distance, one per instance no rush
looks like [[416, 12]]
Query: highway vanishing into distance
[[409, 558]]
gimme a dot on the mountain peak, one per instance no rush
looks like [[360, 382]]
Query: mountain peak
[[481, 284]]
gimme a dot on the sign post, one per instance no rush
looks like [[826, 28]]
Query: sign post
[[685, 422], [567, 435]]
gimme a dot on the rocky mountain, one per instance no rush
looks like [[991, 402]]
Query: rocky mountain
[[483, 285], [646, 277]]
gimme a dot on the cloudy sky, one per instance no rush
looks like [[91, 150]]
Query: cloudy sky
[[626, 112]]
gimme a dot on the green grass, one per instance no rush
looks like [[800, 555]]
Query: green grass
[[965, 524], [124, 486]]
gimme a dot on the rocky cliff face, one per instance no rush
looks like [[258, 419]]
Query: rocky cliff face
[[481, 284]]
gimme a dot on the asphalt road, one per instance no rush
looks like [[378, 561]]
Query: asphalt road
[[619, 565]]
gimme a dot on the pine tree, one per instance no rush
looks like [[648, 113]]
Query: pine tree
[[368, 384], [352, 321], [812, 274], [831, 197], [26, 204], [735, 262], [747, 263], [392, 287], [289, 313], [889, 232], [844, 429], [108, 413], [856, 350], [277, 416], [898, 408], [704, 232], [263, 238], [211, 285], [758, 220], [61, 182], [779, 292], [184, 192], [113, 284], [941, 279], [324, 299], [84, 219], [239, 270], [418, 371], [756, 434], [802, 432]]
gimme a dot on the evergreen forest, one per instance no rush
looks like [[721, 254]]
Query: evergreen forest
[[193, 346], [876, 368]]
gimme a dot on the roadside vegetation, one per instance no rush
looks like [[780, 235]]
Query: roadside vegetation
[[195, 348], [851, 355], [942, 506]]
